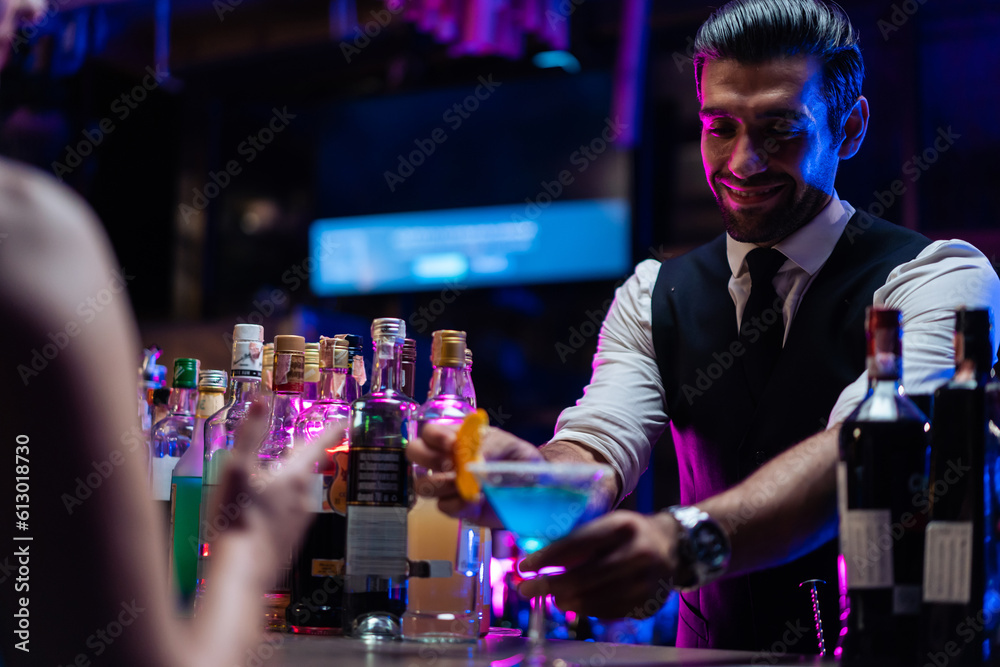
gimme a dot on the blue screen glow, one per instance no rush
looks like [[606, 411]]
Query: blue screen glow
[[470, 247]]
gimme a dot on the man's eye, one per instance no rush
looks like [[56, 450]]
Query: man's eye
[[784, 131], [719, 130]]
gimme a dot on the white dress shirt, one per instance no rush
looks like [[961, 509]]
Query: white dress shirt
[[621, 414]]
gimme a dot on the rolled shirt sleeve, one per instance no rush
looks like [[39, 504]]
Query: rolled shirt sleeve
[[621, 413], [945, 276]]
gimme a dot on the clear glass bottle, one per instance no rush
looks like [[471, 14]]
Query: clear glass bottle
[[408, 368], [378, 494], [289, 368], [185, 490], [961, 568], [310, 391], [172, 435], [468, 390], [317, 579], [152, 376], [220, 433], [267, 378], [881, 478], [443, 609]]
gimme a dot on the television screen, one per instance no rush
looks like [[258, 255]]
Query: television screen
[[470, 247]]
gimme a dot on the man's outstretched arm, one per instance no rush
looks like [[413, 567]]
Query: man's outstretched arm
[[619, 561]]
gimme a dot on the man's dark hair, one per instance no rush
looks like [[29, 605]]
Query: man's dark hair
[[755, 31]]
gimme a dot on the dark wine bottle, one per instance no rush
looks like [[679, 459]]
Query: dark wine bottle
[[317, 579], [961, 594], [881, 494]]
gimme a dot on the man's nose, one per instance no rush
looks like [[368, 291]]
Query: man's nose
[[748, 157]]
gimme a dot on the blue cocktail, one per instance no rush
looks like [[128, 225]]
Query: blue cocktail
[[541, 502]]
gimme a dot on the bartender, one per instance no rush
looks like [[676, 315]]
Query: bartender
[[751, 348]]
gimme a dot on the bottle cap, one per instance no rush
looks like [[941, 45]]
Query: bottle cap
[[289, 364], [253, 332], [354, 344], [186, 373], [389, 327], [340, 354], [212, 380], [972, 337], [448, 348], [290, 344], [468, 358]]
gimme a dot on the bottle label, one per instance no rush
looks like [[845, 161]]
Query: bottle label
[[289, 370], [335, 484], [321, 495], [866, 540], [948, 562], [248, 358], [376, 541], [322, 567], [163, 468], [378, 477]]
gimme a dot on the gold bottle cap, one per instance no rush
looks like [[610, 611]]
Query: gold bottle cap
[[291, 344], [312, 354], [448, 348]]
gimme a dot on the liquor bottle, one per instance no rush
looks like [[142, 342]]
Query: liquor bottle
[[485, 604], [220, 433], [961, 577], [267, 377], [381, 426], [317, 577], [310, 391], [185, 489], [172, 435], [408, 367], [443, 609], [289, 367], [881, 479], [152, 376], [468, 390]]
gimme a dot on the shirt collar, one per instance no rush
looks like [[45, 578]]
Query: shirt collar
[[808, 247]]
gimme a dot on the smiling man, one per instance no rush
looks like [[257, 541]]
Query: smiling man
[[748, 347]]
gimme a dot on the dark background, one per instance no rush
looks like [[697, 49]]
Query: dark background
[[930, 66]]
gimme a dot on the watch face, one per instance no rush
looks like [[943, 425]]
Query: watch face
[[710, 544]]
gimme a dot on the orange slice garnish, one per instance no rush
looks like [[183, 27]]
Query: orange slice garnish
[[467, 444]]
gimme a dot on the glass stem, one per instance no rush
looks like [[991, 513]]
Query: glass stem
[[536, 631]]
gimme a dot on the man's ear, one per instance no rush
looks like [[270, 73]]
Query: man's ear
[[855, 127]]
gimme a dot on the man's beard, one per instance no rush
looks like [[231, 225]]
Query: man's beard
[[773, 225]]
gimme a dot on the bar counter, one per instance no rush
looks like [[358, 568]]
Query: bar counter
[[278, 650]]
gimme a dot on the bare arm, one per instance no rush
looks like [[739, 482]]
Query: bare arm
[[785, 509], [98, 585], [618, 562]]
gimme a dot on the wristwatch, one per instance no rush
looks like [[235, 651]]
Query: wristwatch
[[703, 548]]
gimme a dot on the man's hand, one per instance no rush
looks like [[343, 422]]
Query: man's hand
[[616, 565], [433, 450]]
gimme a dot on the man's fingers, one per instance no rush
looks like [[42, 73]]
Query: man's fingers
[[305, 457]]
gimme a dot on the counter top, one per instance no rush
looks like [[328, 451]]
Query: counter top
[[277, 650]]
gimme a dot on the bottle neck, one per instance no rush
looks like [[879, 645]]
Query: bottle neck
[[447, 380], [284, 409], [329, 380], [183, 401], [244, 389], [210, 401], [348, 388], [386, 375]]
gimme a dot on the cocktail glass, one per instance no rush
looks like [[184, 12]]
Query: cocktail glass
[[540, 502]]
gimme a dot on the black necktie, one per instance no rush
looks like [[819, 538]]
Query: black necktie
[[762, 328]]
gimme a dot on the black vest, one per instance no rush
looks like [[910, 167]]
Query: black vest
[[721, 438]]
